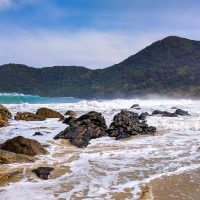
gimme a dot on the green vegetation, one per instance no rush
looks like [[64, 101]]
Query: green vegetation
[[170, 67]]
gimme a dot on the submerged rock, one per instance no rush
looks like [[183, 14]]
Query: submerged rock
[[23, 145], [70, 113], [37, 134], [43, 172], [181, 112], [7, 157], [127, 123], [89, 126], [27, 116], [48, 113], [169, 114], [135, 105]]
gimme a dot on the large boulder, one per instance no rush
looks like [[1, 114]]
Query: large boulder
[[127, 123], [48, 113], [3, 121], [5, 112], [22, 145], [89, 126], [7, 157], [27, 116]]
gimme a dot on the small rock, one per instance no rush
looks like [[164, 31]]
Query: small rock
[[27, 116], [70, 113], [37, 134], [43, 172], [135, 105], [181, 112], [48, 113]]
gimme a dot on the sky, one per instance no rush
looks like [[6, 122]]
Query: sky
[[90, 33]]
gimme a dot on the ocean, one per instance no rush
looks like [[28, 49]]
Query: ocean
[[107, 168]]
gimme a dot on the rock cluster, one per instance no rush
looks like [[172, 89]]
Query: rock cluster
[[169, 114], [80, 131], [127, 123], [41, 114]]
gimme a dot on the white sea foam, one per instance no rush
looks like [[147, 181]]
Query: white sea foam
[[107, 166]]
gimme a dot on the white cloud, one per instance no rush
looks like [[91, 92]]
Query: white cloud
[[5, 4], [86, 48]]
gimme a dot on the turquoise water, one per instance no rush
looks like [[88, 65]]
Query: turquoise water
[[20, 98]]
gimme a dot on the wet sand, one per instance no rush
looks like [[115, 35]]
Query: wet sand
[[184, 186]]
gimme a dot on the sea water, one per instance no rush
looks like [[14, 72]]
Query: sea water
[[106, 169]]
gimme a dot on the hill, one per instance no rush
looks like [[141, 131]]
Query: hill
[[169, 67]]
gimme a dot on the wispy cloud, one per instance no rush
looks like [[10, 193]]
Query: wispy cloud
[[86, 48]]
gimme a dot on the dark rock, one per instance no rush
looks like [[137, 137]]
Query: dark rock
[[89, 126], [70, 113], [135, 105], [48, 113], [23, 145], [127, 123], [157, 112], [181, 112], [27, 116], [174, 108], [37, 134], [122, 135], [143, 115], [43, 172], [69, 120], [168, 114], [7, 157]]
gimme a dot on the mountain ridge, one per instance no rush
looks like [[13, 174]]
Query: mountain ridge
[[170, 66]]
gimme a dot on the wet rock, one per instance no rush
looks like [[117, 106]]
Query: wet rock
[[135, 105], [23, 145], [69, 120], [169, 114], [3, 121], [7, 157], [89, 126], [174, 108], [12, 176], [48, 113], [122, 135], [43, 172], [181, 112], [27, 116], [143, 115], [4, 112], [70, 113], [37, 134], [127, 123]]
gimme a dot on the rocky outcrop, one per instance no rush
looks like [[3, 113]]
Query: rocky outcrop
[[43, 172], [127, 123], [70, 113], [169, 114], [5, 114], [27, 116], [23, 145], [89, 126], [48, 113], [7, 157]]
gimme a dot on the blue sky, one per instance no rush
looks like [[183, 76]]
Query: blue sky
[[91, 33]]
